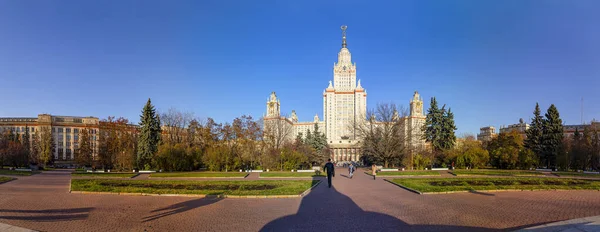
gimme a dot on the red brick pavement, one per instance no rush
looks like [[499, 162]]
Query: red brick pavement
[[42, 202]]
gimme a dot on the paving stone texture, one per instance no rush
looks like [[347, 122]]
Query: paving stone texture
[[42, 202]]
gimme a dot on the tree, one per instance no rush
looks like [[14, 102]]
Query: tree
[[439, 129], [469, 153], [84, 153], [535, 132], [34, 154], [46, 146], [175, 123], [382, 135], [552, 137], [149, 136], [433, 126], [448, 128], [504, 150], [317, 141], [277, 132], [25, 141]]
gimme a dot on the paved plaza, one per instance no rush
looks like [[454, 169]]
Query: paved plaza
[[42, 202]]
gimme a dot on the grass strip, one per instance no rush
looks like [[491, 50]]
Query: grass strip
[[406, 173], [576, 174], [237, 188], [16, 173], [484, 172], [508, 183], [4, 179], [104, 174], [290, 174], [199, 174]]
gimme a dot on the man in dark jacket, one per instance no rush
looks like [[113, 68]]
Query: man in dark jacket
[[330, 171]]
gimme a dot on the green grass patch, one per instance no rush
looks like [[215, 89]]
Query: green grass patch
[[290, 174], [576, 174], [406, 173], [199, 174], [512, 183], [4, 179], [484, 172], [16, 173], [239, 188], [104, 174]]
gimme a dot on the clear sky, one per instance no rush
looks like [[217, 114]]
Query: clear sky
[[490, 61]]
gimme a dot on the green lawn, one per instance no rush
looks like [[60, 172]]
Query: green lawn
[[485, 172], [199, 174], [513, 183], [407, 173], [4, 179], [16, 173], [239, 188], [105, 174], [576, 174], [290, 174]]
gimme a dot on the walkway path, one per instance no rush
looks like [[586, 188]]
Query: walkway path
[[42, 202]]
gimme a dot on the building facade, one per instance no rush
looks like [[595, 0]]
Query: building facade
[[344, 105], [65, 132], [486, 133]]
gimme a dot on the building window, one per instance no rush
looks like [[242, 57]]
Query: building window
[[60, 130], [68, 130], [75, 131]]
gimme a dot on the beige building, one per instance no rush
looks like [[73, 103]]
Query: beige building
[[486, 133], [344, 105], [65, 131]]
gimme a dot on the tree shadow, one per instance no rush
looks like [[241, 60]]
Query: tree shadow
[[49, 215], [481, 193], [326, 209], [181, 207]]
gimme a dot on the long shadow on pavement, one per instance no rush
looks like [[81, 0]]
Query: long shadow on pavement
[[181, 207], [48, 215], [326, 209]]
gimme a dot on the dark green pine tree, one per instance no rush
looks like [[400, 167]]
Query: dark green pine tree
[[319, 139], [433, 126], [552, 137], [309, 138], [149, 136], [448, 128], [534, 134]]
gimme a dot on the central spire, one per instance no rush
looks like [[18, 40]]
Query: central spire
[[344, 27]]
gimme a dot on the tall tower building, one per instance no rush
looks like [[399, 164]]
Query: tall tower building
[[344, 106], [345, 100]]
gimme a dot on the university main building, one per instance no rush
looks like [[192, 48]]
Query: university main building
[[344, 105]]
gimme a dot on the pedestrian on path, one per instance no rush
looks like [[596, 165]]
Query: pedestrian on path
[[330, 171], [374, 169], [351, 170]]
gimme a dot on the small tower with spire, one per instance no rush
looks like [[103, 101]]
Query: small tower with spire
[[416, 105], [273, 106], [294, 117]]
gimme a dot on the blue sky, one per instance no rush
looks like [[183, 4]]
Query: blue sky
[[490, 61]]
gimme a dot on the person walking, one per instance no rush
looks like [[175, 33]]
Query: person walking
[[330, 169], [374, 169], [351, 170]]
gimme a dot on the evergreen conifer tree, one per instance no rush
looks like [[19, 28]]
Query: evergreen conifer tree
[[149, 136], [552, 137], [448, 128], [534, 134]]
